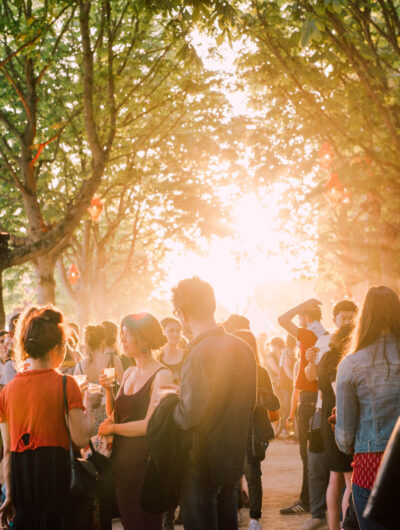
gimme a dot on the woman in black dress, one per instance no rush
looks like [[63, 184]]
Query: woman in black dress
[[129, 414], [339, 464]]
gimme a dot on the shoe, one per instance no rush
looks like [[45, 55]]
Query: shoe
[[296, 508], [312, 524], [254, 524]]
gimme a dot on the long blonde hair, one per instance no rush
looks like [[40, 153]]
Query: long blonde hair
[[379, 316]]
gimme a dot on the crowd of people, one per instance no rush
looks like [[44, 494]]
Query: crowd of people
[[159, 422]]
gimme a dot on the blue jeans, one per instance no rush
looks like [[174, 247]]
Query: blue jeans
[[318, 480], [360, 498], [208, 507]]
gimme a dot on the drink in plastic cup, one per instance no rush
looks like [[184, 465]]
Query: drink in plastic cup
[[80, 379], [110, 373], [94, 388]]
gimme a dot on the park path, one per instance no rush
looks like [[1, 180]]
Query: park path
[[281, 484]]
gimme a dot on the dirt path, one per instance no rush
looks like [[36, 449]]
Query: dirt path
[[281, 484]]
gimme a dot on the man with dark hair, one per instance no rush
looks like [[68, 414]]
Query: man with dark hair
[[217, 400], [318, 471], [236, 322], [305, 391]]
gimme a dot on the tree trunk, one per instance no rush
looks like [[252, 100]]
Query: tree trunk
[[387, 255], [46, 285], [2, 310], [83, 308]]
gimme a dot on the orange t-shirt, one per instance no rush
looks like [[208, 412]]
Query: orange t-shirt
[[306, 339], [33, 404]]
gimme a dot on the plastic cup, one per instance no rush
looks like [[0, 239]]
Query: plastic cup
[[94, 388], [110, 373], [80, 379]]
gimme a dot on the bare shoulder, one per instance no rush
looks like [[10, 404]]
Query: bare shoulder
[[163, 376]]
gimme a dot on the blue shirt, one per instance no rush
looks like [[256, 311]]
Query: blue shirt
[[368, 397]]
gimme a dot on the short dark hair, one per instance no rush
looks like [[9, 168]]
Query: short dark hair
[[12, 323], [169, 320], [147, 327], [277, 341], [195, 298], [313, 314], [111, 330], [236, 322], [344, 305], [94, 335]]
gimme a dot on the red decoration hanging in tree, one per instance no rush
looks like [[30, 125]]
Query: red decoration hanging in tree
[[335, 190], [326, 156], [73, 274], [334, 183], [95, 208]]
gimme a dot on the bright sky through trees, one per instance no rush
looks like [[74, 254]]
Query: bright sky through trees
[[259, 252]]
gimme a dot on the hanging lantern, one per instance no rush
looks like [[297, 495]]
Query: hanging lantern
[[95, 208], [326, 156], [335, 192], [73, 274], [334, 183]]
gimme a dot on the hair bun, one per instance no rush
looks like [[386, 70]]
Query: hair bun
[[52, 316]]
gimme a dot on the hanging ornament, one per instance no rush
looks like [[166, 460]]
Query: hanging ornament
[[95, 208], [334, 183], [73, 274], [326, 156], [336, 193]]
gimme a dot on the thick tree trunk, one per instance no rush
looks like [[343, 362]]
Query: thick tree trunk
[[46, 285], [2, 310]]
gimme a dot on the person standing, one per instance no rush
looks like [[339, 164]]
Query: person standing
[[325, 472], [285, 381], [306, 391], [368, 392], [172, 356], [33, 429], [129, 415], [217, 401]]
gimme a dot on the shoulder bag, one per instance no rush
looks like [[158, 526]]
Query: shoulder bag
[[84, 479]]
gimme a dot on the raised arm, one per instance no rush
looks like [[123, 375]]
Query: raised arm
[[285, 320]]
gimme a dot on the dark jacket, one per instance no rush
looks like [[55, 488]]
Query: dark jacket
[[261, 431], [217, 401], [169, 449]]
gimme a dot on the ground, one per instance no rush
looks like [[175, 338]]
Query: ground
[[281, 484]]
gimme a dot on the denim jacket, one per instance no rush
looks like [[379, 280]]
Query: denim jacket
[[368, 397]]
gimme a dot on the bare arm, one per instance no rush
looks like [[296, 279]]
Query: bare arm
[[109, 388], [285, 320], [80, 423], [311, 371], [7, 511], [138, 428]]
